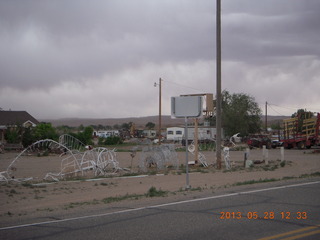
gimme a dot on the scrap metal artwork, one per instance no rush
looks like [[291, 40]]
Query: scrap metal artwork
[[158, 157], [226, 157], [4, 177], [235, 139], [202, 159], [13, 170], [71, 142], [99, 161]]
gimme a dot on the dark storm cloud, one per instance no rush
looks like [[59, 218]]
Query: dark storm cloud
[[254, 32], [63, 50], [45, 42]]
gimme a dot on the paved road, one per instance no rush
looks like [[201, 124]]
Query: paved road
[[283, 212]]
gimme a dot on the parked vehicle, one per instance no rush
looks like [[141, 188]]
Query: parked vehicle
[[258, 140], [276, 143], [301, 132]]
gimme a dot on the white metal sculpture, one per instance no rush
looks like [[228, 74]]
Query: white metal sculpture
[[202, 159], [99, 161], [226, 157], [158, 157], [3, 177], [235, 139], [71, 142], [35, 147]]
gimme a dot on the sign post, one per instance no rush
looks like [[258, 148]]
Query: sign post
[[184, 107], [187, 156]]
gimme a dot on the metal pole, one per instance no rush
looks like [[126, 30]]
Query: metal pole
[[196, 145], [159, 138], [218, 107], [187, 160], [266, 118]]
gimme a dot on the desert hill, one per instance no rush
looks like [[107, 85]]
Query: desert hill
[[140, 122]]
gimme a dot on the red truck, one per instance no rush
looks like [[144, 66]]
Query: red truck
[[301, 132]]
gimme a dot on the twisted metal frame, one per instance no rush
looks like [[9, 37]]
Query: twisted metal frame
[[158, 156], [101, 161]]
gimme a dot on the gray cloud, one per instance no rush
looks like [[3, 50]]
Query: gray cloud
[[51, 50]]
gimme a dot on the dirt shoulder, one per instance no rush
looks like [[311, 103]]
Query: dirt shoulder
[[20, 202]]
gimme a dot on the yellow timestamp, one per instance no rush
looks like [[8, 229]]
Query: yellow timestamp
[[264, 215]]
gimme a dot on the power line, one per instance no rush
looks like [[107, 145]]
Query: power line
[[181, 85], [289, 108], [275, 110], [292, 108]]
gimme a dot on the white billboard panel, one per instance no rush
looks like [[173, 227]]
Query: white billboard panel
[[186, 106]]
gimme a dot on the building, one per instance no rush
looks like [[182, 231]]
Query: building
[[175, 133], [204, 133], [13, 119], [149, 133], [106, 133]]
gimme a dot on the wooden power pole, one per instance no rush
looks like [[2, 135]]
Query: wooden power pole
[[218, 106], [266, 118], [159, 112]]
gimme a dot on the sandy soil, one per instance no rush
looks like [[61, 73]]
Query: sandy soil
[[22, 201]]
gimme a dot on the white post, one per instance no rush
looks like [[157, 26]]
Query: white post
[[248, 153], [265, 154], [282, 153], [246, 156]]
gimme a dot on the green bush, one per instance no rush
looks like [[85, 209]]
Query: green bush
[[153, 192], [113, 140]]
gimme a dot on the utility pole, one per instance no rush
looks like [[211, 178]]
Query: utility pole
[[159, 112], [266, 118], [218, 107], [159, 123]]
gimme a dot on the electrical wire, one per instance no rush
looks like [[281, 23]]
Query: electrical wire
[[290, 108], [276, 111], [181, 85]]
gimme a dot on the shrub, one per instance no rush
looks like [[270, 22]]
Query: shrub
[[113, 140], [153, 192]]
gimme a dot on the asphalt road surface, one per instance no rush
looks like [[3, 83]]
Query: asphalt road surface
[[287, 211]]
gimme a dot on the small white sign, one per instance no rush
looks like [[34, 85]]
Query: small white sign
[[186, 106]]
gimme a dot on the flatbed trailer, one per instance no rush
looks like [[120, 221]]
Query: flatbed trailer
[[301, 133]]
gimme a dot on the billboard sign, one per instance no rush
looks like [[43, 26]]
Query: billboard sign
[[186, 106]]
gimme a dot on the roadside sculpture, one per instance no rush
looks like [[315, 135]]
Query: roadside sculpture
[[76, 160], [235, 139], [158, 157], [226, 157], [71, 142], [202, 159], [97, 161]]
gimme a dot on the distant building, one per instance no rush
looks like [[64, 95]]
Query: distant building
[[204, 133], [13, 119], [106, 133], [175, 133], [149, 133]]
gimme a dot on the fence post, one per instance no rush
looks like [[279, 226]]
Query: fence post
[[265, 154], [246, 156], [282, 153]]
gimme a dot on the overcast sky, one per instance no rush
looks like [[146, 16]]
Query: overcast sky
[[100, 59]]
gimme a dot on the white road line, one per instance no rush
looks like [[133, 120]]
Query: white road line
[[157, 206]]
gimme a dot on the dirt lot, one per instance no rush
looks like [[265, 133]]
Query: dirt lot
[[22, 201]]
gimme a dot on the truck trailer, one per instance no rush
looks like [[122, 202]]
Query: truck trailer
[[301, 132]]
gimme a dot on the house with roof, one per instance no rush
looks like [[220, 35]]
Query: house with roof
[[13, 119]]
